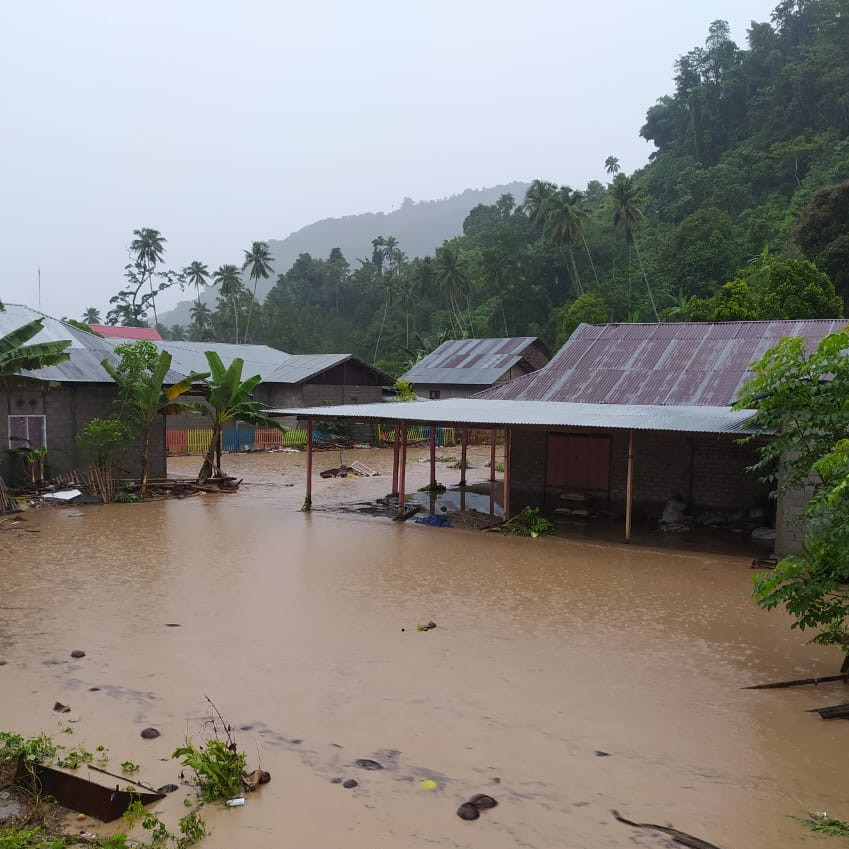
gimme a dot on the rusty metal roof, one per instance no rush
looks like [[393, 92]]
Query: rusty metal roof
[[477, 412], [476, 362], [697, 364]]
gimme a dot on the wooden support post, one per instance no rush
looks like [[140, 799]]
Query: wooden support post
[[494, 439], [506, 474], [396, 441], [402, 472], [308, 499], [432, 441], [629, 486], [464, 445]]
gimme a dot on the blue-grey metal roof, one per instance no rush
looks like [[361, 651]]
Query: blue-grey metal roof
[[470, 362], [191, 356], [86, 351], [477, 412]]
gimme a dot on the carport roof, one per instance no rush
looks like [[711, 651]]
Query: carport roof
[[478, 412]]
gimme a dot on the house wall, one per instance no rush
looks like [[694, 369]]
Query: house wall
[[68, 408], [706, 471], [449, 390]]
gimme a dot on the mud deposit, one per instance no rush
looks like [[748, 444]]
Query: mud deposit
[[565, 678]]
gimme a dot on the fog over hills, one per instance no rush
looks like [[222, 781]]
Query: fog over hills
[[420, 228]]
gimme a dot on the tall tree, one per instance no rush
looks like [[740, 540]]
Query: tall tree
[[197, 275], [229, 283], [452, 280], [628, 212], [563, 225], [611, 165], [200, 314], [148, 249], [258, 265], [91, 315]]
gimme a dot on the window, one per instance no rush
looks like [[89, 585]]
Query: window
[[27, 432], [433, 394]]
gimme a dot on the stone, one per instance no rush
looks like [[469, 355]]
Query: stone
[[482, 802], [366, 763], [467, 811], [150, 733], [60, 708], [351, 782], [335, 780], [167, 788], [600, 754], [77, 653]]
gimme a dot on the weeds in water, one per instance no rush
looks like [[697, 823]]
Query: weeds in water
[[39, 749], [129, 766], [529, 523], [822, 823], [218, 768], [434, 487], [74, 758]]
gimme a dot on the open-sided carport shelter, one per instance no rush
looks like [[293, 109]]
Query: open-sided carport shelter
[[633, 457]]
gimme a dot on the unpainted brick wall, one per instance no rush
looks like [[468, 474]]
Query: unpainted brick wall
[[706, 471]]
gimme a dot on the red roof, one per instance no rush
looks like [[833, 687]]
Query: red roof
[[681, 364], [111, 332]]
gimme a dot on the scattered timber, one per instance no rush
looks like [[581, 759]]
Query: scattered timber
[[833, 712], [678, 836], [6, 504], [799, 682]]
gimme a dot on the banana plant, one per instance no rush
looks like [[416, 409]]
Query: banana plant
[[16, 355], [228, 399]]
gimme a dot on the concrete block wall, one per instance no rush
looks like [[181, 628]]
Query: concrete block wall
[[67, 409], [662, 469]]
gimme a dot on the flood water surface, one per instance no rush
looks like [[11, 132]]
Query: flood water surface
[[565, 677]]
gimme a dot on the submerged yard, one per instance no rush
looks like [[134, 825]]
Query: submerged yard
[[565, 677]]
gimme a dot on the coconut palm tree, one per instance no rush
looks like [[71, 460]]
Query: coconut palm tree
[[387, 284], [536, 198], [495, 274], [197, 275], [627, 212], [16, 355], [611, 165], [148, 248], [91, 316], [452, 281], [563, 225], [229, 283], [200, 314], [228, 399], [258, 265]]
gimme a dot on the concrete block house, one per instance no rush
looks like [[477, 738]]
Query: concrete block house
[[51, 412]]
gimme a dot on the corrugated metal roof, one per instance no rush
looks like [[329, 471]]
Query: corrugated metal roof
[[476, 362], [701, 364], [485, 413], [110, 332], [87, 351], [259, 359]]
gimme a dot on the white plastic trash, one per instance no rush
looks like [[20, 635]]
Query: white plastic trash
[[235, 803]]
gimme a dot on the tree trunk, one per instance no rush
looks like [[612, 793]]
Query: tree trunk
[[648, 288], [250, 310], [207, 470], [380, 332], [145, 447], [575, 274], [590, 256]]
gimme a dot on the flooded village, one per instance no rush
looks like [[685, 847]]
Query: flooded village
[[465, 461]]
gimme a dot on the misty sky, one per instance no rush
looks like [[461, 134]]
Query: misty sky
[[223, 122]]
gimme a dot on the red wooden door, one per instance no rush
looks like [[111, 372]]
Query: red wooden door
[[578, 462]]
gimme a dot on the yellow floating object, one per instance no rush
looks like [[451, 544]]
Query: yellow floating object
[[428, 784]]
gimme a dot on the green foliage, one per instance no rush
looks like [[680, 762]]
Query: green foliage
[[821, 823], [129, 767], [218, 768], [74, 758], [588, 308], [404, 390], [26, 837], [529, 523], [104, 439], [40, 749], [16, 354]]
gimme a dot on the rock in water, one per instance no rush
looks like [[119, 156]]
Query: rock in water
[[366, 763], [150, 734], [482, 802], [351, 782], [77, 653], [467, 811], [167, 788]]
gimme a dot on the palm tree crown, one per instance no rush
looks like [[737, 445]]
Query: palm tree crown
[[258, 264]]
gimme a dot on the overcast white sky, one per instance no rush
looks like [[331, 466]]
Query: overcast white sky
[[223, 122]]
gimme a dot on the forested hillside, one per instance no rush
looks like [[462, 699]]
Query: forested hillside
[[741, 212]]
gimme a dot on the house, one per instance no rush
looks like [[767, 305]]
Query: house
[[628, 416], [287, 380], [51, 412], [132, 334], [461, 367]]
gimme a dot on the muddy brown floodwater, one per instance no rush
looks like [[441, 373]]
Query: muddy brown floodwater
[[302, 629]]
